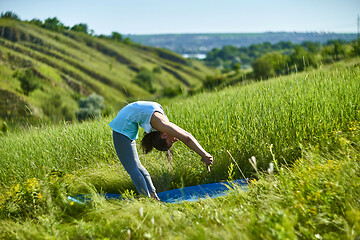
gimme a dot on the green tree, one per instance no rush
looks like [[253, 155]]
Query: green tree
[[334, 51], [127, 41], [36, 22], [116, 37], [355, 48], [300, 59], [236, 67], [339, 51], [54, 24], [81, 27], [312, 47], [9, 15], [270, 65], [263, 68]]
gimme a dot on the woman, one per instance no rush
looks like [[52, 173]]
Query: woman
[[160, 134]]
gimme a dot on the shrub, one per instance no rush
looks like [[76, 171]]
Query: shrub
[[157, 69], [90, 107], [172, 92], [213, 81], [28, 81]]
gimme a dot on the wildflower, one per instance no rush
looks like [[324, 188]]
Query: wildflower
[[141, 211], [252, 161], [147, 235], [318, 236], [253, 181], [271, 168], [39, 195], [32, 184], [330, 162], [152, 221], [352, 128]]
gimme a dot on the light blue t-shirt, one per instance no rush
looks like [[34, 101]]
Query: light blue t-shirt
[[133, 115]]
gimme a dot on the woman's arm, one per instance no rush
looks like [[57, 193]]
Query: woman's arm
[[162, 124]]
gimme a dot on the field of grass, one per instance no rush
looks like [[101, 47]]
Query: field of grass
[[306, 124]]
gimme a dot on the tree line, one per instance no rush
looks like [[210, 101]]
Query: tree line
[[268, 60], [54, 24]]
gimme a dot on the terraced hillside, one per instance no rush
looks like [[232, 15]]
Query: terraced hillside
[[64, 67]]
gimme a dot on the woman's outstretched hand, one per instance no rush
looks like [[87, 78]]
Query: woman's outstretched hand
[[207, 160]]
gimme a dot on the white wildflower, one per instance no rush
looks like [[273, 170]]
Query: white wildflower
[[318, 236], [152, 221], [253, 159], [271, 168], [141, 211]]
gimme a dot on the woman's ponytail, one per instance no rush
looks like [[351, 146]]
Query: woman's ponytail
[[154, 140], [146, 142]]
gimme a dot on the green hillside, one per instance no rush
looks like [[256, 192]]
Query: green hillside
[[66, 66]]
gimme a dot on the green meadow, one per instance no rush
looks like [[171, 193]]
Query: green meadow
[[306, 124]]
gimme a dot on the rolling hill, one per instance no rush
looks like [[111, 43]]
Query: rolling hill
[[66, 66], [201, 43]]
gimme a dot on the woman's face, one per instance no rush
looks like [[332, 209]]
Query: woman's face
[[170, 140]]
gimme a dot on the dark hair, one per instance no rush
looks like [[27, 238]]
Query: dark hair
[[153, 140]]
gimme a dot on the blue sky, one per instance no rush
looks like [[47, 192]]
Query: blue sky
[[194, 16]]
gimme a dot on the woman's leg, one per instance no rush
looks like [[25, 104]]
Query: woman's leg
[[143, 170], [127, 153]]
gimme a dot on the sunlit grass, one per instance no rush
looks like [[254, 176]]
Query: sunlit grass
[[307, 125]]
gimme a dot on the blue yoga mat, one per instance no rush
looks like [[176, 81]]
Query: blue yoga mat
[[190, 194], [194, 193]]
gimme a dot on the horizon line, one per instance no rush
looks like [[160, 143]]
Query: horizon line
[[210, 33]]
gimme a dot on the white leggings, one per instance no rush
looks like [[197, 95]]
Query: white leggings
[[127, 153]]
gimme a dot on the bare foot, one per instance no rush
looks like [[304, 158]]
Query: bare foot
[[154, 195]]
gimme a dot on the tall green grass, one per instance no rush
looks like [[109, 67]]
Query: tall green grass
[[287, 113], [307, 124]]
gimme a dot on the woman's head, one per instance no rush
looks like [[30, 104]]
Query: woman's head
[[159, 140]]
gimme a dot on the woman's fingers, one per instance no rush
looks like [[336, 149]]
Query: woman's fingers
[[208, 160]]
